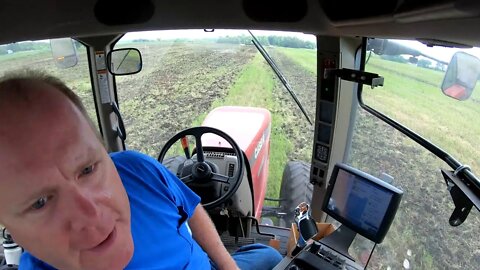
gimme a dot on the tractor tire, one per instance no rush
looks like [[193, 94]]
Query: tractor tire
[[172, 163], [295, 188]]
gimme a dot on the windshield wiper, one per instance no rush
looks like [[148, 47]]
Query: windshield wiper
[[279, 74], [386, 47]]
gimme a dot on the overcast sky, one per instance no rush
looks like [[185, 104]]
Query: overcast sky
[[441, 53], [173, 34]]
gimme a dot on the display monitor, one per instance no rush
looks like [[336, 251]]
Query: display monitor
[[361, 202]]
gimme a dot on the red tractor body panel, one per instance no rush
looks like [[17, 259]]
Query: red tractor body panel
[[250, 128]]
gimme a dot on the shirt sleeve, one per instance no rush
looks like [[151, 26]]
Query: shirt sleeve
[[149, 170]]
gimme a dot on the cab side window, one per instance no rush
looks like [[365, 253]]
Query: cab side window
[[37, 55]]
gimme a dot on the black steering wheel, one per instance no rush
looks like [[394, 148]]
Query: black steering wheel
[[200, 171]]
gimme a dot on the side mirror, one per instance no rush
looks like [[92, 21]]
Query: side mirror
[[124, 61], [64, 52], [461, 76]]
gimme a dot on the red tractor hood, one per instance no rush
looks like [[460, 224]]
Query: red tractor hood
[[250, 128], [245, 125]]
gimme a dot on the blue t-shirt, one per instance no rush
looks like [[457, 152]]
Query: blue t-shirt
[[160, 205]]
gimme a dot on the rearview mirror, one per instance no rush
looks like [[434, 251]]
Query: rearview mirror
[[461, 76], [64, 52], [124, 61]]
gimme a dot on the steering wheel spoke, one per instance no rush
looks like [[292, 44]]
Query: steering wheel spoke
[[220, 178], [198, 145], [187, 179]]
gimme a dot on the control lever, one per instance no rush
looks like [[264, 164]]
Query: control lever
[[307, 227], [11, 250]]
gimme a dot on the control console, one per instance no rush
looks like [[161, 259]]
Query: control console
[[319, 256]]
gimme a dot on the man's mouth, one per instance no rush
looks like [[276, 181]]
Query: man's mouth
[[107, 242]]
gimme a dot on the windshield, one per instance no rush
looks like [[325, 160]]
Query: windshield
[[188, 73]]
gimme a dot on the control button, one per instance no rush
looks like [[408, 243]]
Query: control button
[[293, 267]]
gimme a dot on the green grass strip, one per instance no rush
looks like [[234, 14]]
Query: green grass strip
[[306, 58]]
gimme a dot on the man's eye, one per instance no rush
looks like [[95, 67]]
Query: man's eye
[[87, 170], [40, 203]]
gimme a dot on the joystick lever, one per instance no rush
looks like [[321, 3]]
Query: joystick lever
[[307, 227]]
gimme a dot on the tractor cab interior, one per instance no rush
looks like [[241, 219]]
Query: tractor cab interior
[[283, 114]]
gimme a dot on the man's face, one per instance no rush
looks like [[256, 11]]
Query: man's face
[[60, 195]]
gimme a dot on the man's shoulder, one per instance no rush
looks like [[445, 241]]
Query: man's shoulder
[[133, 159], [133, 162], [130, 155], [137, 166]]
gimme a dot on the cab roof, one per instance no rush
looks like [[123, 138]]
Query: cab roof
[[447, 21]]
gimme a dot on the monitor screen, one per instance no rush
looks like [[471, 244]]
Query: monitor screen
[[363, 203]]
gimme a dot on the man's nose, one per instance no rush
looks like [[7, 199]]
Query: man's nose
[[83, 211]]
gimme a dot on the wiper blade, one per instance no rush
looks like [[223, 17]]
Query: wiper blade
[[387, 47], [279, 74]]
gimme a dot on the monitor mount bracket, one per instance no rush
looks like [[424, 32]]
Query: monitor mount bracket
[[340, 240], [462, 197], [357, 76]]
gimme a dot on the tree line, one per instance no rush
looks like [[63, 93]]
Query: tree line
[[23, 46], [280, 41]]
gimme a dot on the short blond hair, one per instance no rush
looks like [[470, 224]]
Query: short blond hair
[[14, 81]]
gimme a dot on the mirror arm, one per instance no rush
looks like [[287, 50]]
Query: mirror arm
[[467, 177], [437, 151]]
